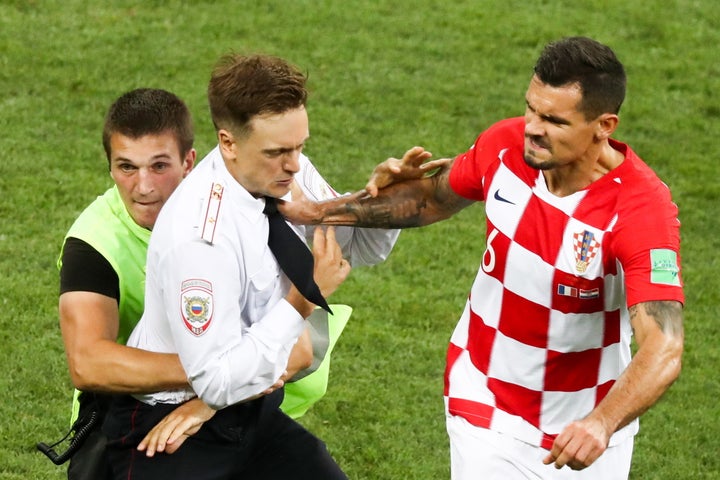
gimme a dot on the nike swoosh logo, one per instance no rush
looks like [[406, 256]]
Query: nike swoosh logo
[[502, 199]]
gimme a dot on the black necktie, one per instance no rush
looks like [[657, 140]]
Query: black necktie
[[292, 255]]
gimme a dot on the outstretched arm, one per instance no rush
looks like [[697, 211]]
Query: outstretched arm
[[659, 335], [408, 203]]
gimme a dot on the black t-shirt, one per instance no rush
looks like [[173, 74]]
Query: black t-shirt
[[85, 270]]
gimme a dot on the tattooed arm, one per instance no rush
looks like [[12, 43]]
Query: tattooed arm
[[408, 203], [659, 335]]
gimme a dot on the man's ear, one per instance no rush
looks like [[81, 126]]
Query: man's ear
[[226, 142], [606, 125], [189, 161]]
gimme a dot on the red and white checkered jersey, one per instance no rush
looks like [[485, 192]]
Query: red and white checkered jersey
[[546, 332]]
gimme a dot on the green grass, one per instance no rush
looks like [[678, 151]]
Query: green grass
[[384, 76]]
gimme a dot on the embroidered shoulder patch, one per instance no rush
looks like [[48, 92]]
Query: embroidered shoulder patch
[[196, 305], [664, 267]]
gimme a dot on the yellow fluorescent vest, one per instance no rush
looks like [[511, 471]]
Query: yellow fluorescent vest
[[107, 226]]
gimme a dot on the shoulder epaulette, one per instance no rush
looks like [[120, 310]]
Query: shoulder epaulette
[[211, 212]]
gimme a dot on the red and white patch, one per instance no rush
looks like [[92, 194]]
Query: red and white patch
[[196, 305], [586, 248]]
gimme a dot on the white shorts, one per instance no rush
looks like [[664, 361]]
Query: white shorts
[[480, 454]]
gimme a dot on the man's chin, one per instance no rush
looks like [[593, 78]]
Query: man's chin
[[278, 192], [533, 162], [145, 220]]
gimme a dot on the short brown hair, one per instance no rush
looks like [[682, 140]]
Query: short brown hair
[[149, 111], [243, 86], [591, 65]]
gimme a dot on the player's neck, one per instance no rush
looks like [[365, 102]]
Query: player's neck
[[573, 177]]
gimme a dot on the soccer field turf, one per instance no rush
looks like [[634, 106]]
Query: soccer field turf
[[383, 76]]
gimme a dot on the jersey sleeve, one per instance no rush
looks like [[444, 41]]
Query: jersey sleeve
[[470, 168], [466, 174], [647, 242], [84, 269]]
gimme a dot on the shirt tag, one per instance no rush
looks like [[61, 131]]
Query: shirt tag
[[211, 212]]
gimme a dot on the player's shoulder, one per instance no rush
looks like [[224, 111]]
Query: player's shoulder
[[508, 127], [641, 181], [643, 197]]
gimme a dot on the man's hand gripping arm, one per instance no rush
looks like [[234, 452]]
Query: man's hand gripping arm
[[400, 194]]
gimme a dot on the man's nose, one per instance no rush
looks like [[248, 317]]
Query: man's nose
[[145, 183], [291, 162]]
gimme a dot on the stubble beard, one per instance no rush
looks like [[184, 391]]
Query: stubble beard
[[532, 162]]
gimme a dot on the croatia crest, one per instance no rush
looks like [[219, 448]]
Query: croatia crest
[[196, 305], [585, 247]]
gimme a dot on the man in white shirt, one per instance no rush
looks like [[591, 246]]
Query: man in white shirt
[[217, 297]]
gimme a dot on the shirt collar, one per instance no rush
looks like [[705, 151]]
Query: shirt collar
[[250, 207]]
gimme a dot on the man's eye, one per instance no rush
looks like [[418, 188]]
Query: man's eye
[[160, 167], [125, 167]]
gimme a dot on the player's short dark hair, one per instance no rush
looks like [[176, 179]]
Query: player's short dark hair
[[243, 86], [149, 111], [590, 64]]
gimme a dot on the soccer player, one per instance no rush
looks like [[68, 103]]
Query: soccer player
[[582, 251]]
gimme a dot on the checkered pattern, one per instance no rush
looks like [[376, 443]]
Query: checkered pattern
[[545, 332]]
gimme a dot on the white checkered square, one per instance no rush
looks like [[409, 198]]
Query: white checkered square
[[517, 363]]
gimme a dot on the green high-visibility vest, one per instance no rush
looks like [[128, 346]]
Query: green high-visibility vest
[[107, 226], [309, 385]]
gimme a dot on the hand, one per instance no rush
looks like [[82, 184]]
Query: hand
[[411, 166], [579, 444], [331, 269], [302, 211], [168, 435], [301, 356]]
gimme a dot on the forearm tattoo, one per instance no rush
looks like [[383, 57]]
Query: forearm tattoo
[[397, 210], [412, 203]]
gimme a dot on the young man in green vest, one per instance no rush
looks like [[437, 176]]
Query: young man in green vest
[[148, 138]]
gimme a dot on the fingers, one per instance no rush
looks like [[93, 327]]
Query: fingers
[[319, 240], [359, 195], [173, 430], [277, 385], [371, 188], [331, 269], [576, 447], [296, 192], [394, 170], [157, 438], [433, 164], [415, 156], [325, 244]]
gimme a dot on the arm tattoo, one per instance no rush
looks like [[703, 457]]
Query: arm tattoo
[[667, 314], [411, 203]]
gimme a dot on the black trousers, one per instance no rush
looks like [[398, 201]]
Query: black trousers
[[252, 440], [90, 461]]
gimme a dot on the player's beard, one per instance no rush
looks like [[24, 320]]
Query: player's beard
[[532, 161]]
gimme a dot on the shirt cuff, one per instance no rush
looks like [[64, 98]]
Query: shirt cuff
[[282, 324]]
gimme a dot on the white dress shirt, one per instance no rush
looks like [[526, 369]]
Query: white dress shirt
[[214, 292]]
